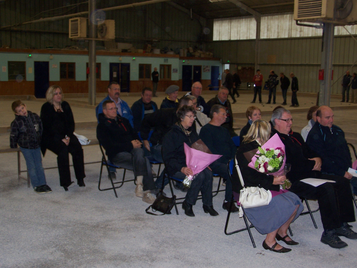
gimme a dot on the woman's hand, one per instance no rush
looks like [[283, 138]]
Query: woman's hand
[[187, 171], [66, 140], [279, 180]]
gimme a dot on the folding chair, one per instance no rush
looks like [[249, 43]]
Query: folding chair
[[309, 211], [115, 185]]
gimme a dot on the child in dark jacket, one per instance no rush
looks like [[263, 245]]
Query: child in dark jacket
[[26, 131]]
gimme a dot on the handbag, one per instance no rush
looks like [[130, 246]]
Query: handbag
[[162, 204]]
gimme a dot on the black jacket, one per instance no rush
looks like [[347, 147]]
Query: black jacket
[[140, 110], [228, 124], [115, 135], [173, 148], [26, 131], [294, 84], [56, 125], [285, 82]]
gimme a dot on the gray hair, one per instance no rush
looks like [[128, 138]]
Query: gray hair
[[191, 97], [277, 114]]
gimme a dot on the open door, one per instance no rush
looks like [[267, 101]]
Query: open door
[[42, 78]]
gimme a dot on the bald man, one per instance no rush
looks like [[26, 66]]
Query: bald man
[[196, 90]]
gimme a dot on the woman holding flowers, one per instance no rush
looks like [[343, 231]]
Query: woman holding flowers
[[275, 218]]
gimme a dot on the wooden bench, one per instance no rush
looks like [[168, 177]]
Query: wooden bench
[[19, 170]]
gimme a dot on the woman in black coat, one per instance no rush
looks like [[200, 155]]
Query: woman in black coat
[[58, 137]]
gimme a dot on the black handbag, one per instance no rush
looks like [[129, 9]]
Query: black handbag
[[162, 204]]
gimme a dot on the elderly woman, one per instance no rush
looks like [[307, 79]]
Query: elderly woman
[[58, 137], [174, 159], [252, 113], [275, 218], [311, 117]]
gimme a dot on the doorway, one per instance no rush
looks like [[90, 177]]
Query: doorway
[[187, 72], [120, 73], [42, 78]]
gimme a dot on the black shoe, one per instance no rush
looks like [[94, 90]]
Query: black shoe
[[284, 103], [274, 102], [253, 102], [66, 187], [40, 189], [47, 188], [331, 238], [81, 183], [210, 210], [227, 205], [234, 102], [268, 102], [112, 175], [288, 242], [282, 250], [292, 105], [344, 230], [188, 209]]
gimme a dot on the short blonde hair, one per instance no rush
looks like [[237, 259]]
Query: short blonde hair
[[250, 110], [259, 130], [50, 92]]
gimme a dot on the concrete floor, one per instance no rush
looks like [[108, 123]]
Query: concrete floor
[[88, 228]]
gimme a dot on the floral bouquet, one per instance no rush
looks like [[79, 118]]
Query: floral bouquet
[[197, 161]]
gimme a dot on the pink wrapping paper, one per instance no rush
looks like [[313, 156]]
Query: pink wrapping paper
[[197, 160], [273, 143]]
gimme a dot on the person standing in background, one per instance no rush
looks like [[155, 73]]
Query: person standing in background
[[155, 79], [294, 88], [258, 78]]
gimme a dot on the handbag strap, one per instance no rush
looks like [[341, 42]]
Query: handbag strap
[[151, 213], [239, 172]]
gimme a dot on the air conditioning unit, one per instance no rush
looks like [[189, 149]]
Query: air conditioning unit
[[77, 28], [340, 12], [106, 30]]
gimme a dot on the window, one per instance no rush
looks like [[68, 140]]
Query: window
[[17, 70], [67, 71], [165, 72], [98, 71], [145, 71]]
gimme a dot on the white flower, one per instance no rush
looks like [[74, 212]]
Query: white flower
[[280, 158], [262, 170], [269, 168], [277, 152]]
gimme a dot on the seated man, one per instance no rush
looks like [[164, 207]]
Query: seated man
[[123, 148], [114, 92], [334, 199], [218, 140], [196, 90], [171, 101], [143, 107], [329, 142], [221, 98]]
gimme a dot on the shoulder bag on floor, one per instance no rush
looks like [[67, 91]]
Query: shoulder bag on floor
[[162, 204]]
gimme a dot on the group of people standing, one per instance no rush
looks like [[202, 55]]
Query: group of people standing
[[271, 85]]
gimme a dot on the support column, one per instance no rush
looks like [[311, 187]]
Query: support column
[[92, 54], [257, 43], [326, 64]]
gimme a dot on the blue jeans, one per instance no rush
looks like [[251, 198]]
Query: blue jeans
[[34, 166]]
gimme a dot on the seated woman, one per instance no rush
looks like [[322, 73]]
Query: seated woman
[[174, 159], [252, 113], [275, 218], [311, 117], [171, 101], [58, 137]]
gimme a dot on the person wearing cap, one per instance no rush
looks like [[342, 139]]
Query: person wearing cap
[[171, 101]]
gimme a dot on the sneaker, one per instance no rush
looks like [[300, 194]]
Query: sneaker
[[344, 230], [331, 238], [40, 189], [148, 197], [226, 206], [112, 175], [47, 188], [139, 190]]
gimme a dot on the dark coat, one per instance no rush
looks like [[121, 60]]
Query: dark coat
[[229, 120], [285, 82], [115, 135], [294, 84], [332, 148], [167, 103], [244, 130], [139, 112], [173, 148], [56, 125], [229, 81]]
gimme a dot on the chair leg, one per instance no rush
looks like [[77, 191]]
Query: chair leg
[[172, 192], [248, 229], [310, 212], [100, 179]]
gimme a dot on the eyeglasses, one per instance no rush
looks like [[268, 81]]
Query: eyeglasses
[[286, 120], [191, 116], [111, 109]]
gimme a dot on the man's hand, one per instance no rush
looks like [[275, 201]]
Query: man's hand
[[146, 144], [66, 140], [348, 175], [318, 163], [136, 144]]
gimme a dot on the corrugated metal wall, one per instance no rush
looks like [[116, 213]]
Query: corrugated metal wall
[[171, 27], [299, 55]]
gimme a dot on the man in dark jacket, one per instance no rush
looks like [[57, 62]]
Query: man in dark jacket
[[329, 142], [229, 83], [294, 88], [285, 83], [272, 82], [196, 90], [143, 107], [334, 199], [346, 83], [123, 148]]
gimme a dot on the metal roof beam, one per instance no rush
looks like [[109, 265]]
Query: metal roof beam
[[246, 8]]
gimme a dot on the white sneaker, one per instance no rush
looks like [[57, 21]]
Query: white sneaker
[[139, 190], [148, 197]]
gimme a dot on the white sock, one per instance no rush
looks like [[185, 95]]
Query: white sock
[[139, 180]]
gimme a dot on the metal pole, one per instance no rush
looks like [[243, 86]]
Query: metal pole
[[257, 43], [92, 55], [326, 64]]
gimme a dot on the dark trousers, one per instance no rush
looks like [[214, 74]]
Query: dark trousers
[[221, 170], [236, 91], [231, 95], [334, 199], [272, 92], [284, 94], [202, 182], [136, 161], [62, 151], [257, 90], [294, 100], [344, 90]]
